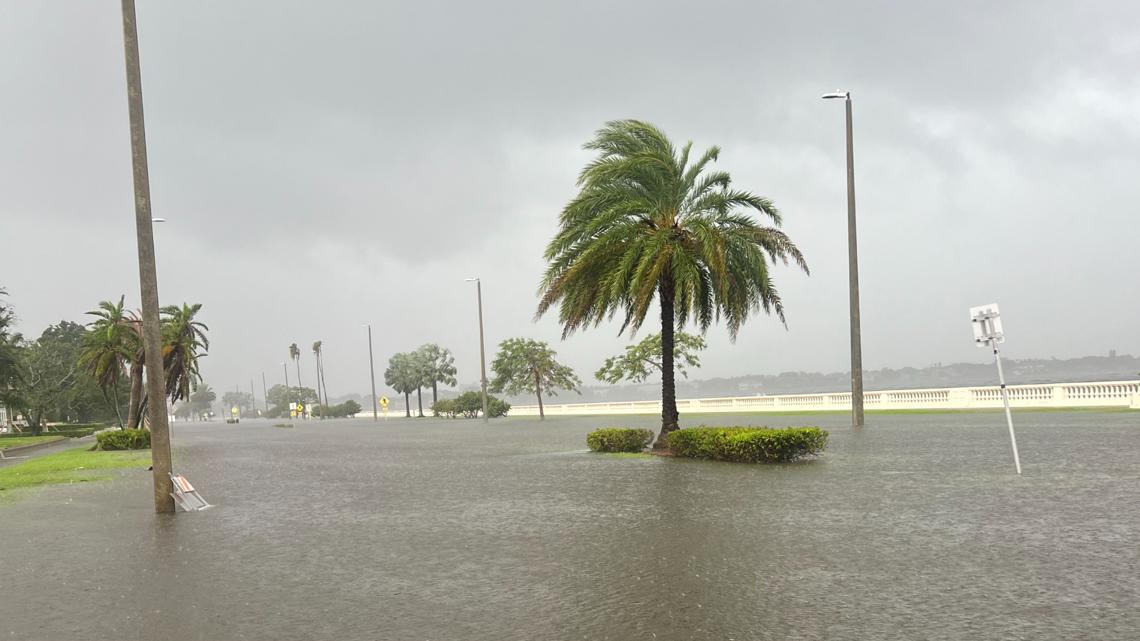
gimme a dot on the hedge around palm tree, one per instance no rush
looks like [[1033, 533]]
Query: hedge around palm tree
[[649, 225]]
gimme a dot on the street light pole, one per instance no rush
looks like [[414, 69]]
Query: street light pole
[[265, 392], [286, 368], [372, 373], [482, 350], [853, 273], [148, 277]]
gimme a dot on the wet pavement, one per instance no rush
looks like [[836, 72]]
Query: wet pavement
[[913, 528]]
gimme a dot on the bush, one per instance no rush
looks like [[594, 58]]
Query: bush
[[444, 407], [748, 444], [341, 410], [497, 407], [618, 439], [470, 405], [123, 440]]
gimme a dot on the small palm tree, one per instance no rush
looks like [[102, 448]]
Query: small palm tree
[[649, 226], [108, 347], [183, 343]]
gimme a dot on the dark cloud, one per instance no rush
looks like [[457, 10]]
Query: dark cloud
[[325, 166]]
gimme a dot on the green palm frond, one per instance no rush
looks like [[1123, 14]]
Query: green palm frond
[[647, 219]]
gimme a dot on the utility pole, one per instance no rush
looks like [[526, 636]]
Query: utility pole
[[265, 392], [148, 276], [853, 273], [372, 373], [482, 351], [252, 399]]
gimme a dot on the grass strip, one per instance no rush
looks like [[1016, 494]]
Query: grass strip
[[72, 466], [20, 441]]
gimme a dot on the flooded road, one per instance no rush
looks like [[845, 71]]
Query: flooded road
[[913, 528]]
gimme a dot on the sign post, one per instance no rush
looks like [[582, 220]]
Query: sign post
[[986, 320]]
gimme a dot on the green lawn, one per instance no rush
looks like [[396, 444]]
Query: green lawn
[[17, 441], [72, 466]]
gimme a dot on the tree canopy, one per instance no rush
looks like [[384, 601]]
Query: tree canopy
[[648, 225], [643, 359], [526, 365]]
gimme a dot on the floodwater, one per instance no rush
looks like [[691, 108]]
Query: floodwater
[[914, 528]]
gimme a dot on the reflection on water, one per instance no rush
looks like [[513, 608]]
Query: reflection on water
[[912, 528]]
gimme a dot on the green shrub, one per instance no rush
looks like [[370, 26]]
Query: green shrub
[[618, 439], [470, 405], [748, 444], [497, 407], [341, 410], [123, 440], [444, 407]]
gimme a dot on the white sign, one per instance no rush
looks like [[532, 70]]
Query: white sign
[[292, 407], [986, 320]]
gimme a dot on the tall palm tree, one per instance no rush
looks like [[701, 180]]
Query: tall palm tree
[[183, 343], [108, 347], [295, 354], [319, 354], [136, 403], [647, 225]]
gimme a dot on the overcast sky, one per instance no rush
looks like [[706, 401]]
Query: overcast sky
[[326, 164]]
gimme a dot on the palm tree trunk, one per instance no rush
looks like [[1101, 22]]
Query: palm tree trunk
[[538, 393], [115, 399], [322, 404], [134, 402], [670, 419], [407, 404], [420, 400], [297, 361], [324, 381], [434, 395]]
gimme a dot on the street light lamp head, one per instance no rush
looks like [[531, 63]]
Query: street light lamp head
[[158, 220], [837, 94], [473, 279]]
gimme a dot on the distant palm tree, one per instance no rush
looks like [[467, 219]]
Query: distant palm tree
[[439, 367], [318, 352], [295, 354], [183, 343], [649, 226], [108, 347], [402, 376]]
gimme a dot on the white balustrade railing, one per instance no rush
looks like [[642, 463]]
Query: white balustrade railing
[[1096, 394]]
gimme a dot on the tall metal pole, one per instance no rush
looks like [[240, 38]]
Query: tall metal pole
[[372, 373], [252, 399], [286, 368], [265, 393], [853, 277], [1008, 416], [148, 276], [482, 350]]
